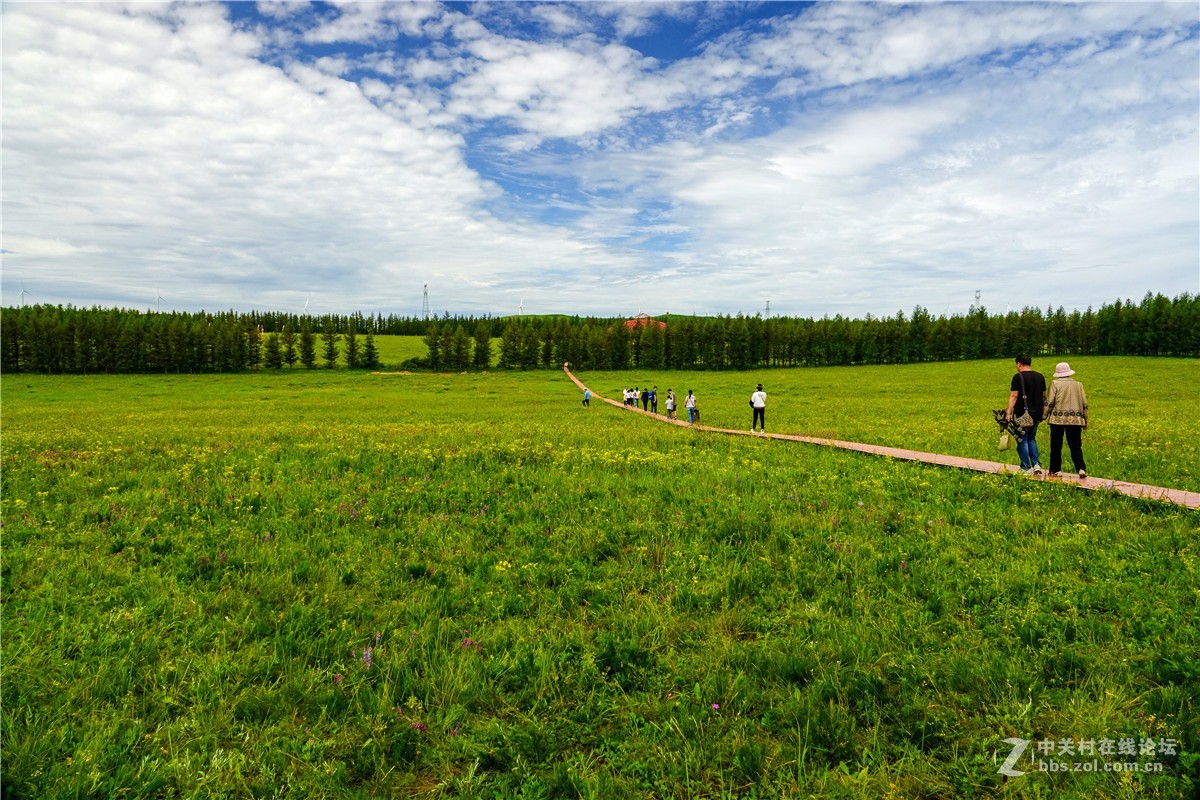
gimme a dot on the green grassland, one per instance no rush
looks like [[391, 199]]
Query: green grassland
[[344, 584], [395, 350], [1143, 426]]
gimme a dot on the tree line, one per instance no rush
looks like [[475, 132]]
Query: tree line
[[1157, 326], [377, 324], [57, 339]]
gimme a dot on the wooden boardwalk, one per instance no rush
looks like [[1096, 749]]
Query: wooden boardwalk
[[1161, 493]]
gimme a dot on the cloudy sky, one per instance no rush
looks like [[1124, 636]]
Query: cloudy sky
[[600, 158]]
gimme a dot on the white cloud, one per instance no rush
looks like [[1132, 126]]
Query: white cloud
[[554, 91], [201, 168], [558, 19], [367, 22], [841, 44], [631, 19], [282, 9], [1042, 153], [992, 184]]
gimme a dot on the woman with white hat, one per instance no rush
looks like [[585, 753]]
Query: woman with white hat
[[1066, 411]]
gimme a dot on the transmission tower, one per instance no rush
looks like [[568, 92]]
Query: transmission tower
[[425, 303], [768, 310]]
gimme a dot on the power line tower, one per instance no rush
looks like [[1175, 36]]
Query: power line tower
[[768, 316], [425, 303]]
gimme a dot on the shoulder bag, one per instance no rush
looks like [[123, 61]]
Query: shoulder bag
[[1025, 421]]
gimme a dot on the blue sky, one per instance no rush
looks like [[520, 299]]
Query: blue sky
[[600, 158]]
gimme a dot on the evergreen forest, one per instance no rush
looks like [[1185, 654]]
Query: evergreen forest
[[70, 340]]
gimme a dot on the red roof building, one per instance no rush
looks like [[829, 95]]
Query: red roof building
[[642, 320]]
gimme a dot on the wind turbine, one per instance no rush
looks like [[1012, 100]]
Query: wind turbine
[[158, 298], [305, 311], [23, 293], [521, 308]]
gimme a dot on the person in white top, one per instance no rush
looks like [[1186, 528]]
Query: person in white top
[[690, 404], [758, 401]]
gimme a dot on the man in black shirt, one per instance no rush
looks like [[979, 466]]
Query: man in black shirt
[[1028, 390]]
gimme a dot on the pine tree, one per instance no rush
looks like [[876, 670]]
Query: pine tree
[[483, 346], [433, 341], [329, 345], [446, 346], [10, 341], [370, 353], [531, 346], [308, 345], [230, 355], [595, 347], [253, 346], [546, 358], [353, 356], [510, 346], [651, 346], [618, 346], [272, 353], [288, 338], [460, 349]]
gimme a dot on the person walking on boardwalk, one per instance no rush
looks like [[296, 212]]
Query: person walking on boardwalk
[[1066, 411], [758, 402], [1027, 392], [670, 404], [690, 404], [654, 400], [645, 399]]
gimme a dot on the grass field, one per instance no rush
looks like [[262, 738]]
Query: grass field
[[1144, 426], [395, 350], [340, 584]]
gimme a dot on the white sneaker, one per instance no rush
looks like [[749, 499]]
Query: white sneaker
[[1037, 469], [1082, 474]]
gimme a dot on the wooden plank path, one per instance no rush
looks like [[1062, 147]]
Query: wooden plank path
[[1139, 490]]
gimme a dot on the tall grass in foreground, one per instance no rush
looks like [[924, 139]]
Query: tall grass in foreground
[[344, 585]]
